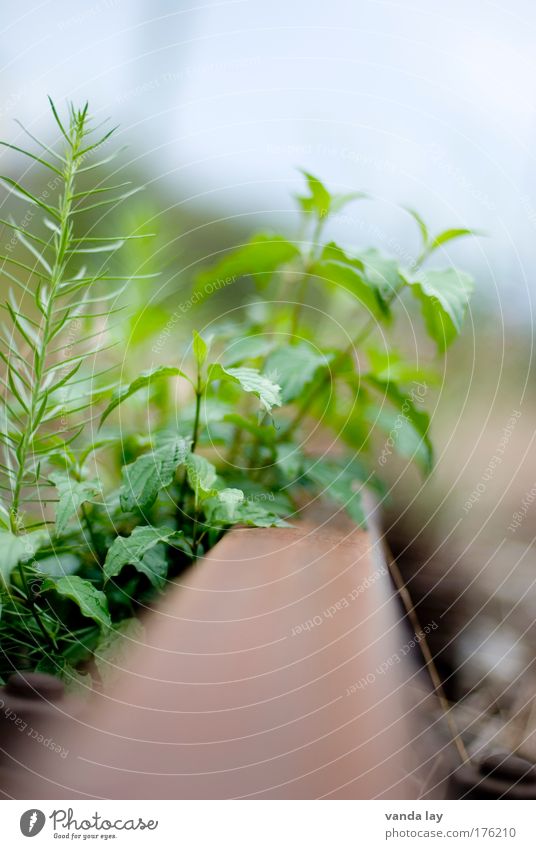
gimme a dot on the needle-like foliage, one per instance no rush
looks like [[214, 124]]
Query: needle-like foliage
[[48, 384]]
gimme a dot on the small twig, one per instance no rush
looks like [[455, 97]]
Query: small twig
[[92, 536], [427, 657]]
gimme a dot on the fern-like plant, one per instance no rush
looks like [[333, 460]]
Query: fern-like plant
[[41, 347], [49, 385]]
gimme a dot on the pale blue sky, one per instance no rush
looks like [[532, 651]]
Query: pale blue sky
[[416, 101]]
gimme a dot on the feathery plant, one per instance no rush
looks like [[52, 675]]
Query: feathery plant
[[39, 348], [48, 387], [93, 524]]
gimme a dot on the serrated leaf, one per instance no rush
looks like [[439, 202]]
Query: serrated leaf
[[261, 256], [444, 296], [222, 508], [143, 479], [154, 565], [254, 514], [146, 378], [201, 475], [250, 380], [72, 495], [131, 550], [18, 549], [230, 498], [292, 367], [91, 601]]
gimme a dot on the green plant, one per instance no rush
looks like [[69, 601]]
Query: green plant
[[98, 514]]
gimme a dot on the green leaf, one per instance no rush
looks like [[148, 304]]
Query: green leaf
[[349, 277], [147, 475], [132, 550], [146, 378], [389, 366], [21, 192], [261, 256], [72, 495], [402, 436], [250, 380], [223, 508], [254, 514], [91, 601], [382, 272], [444, 297], [420, 224], [333, 251], [449, 235], [200, 349], [154, 565], [58, 565], [289, 460], [201, 475], [318, 200], [292, 367], [4, 515], [34, 157], [343, 482], [246, 348], [265, 434], [409, 413], [230, 498], [339, 201], [18, 549]]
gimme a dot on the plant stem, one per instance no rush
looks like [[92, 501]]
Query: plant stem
[[312, 254], [92, 535], [195, 437], [61, 246], [35, 409], [356, 343], [198, 394], [33, 607], [318, 385], [195, 434]]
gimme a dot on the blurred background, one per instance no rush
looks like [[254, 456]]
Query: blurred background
[[420, 103]]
